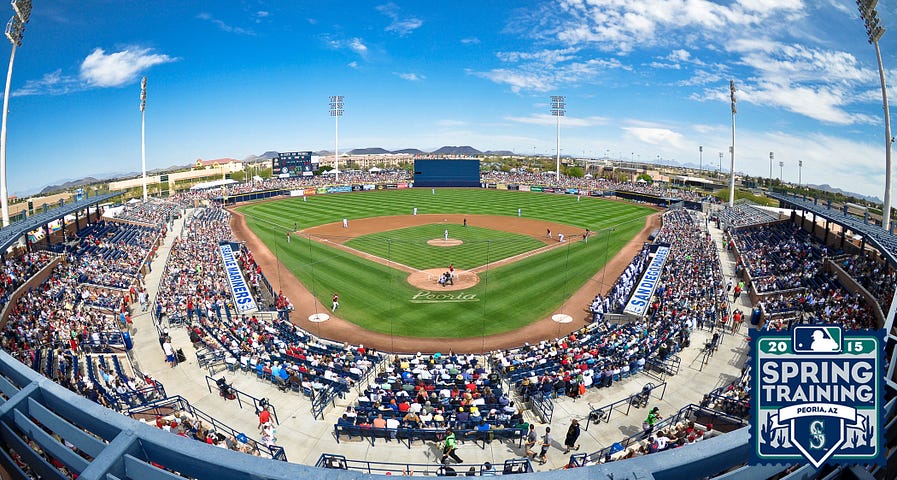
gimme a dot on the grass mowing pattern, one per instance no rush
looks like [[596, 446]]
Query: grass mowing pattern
[[408, 246], [378, 298]]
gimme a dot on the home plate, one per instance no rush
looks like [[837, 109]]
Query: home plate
[[562, 318], [318, 317]]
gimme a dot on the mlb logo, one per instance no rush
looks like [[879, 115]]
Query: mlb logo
[[816, 339]]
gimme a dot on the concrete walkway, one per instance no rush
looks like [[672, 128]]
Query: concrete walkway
[[304, 439]]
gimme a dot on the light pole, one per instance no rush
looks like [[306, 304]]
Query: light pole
[[143, 133], [719, 168], [771, 157], [700, 159], [15, 30], [800, 166], [732, 147], [336, 111], [874, 31], [558, 109], [781, 168]]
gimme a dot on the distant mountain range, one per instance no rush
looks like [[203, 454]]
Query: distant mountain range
[[828, 188], [68, 184]]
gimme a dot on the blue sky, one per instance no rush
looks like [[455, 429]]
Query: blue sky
[[643, 80]]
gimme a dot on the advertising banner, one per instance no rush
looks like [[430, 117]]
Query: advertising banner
[[641, 295], [238, 286]]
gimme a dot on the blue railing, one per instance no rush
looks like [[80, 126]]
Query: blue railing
[[340, 462], [604, 413], [243, 397], [543, 406]]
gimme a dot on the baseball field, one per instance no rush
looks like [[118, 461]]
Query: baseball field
[[385, 265]]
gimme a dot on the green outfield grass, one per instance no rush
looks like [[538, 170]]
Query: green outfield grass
[[408, 246], [379, 298]]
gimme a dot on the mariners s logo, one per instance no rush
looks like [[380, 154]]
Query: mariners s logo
[[816, 396]]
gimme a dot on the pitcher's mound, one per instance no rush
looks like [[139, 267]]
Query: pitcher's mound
[[441, 242], [429, 279]]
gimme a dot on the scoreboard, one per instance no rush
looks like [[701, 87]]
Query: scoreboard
[[294, 164]]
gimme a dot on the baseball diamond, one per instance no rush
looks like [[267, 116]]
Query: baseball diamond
[[521, 276]]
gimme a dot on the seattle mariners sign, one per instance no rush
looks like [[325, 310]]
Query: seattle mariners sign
[[238, 286], [641, 296], [816, 395]]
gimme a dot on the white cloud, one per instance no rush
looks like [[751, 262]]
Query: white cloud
[[817, 83], [53, 83], [358, 46], [262, 14], [622, 26], [97, 70], [548, 119], [224, 27], [470, 41], [400, 26], [656, 136], [118, 68], [411, 77], [353, 64], [546, 70], [355, 44]]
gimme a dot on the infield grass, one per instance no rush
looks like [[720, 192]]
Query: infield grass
[[408, 246], [379, 298]]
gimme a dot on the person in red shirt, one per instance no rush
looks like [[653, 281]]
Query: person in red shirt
[[264, 417]]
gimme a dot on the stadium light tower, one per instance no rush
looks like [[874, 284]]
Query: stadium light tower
[[771, 157], [700, 159], [874, 31], [781, 169], [15, 30], [336, 111], [800, 167], [732, 147], [558, 109], [143, 133]]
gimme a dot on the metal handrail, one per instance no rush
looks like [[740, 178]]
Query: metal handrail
[[243, 397]]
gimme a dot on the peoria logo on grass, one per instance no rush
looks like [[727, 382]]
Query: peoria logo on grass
[[816, 395], [426, 296]]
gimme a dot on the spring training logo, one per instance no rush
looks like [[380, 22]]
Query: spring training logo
[[816, 395]]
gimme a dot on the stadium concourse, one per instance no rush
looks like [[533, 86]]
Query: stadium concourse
[[304, 438]]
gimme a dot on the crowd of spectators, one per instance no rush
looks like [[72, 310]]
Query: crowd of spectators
[[603, 353], [153, 213], [787, 265], [672, 436], [17, 270], [690, 288], [273, 183], [590, 184], [435, 391], [194, 281], [182, 423], [875, 275], [112, 254]]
